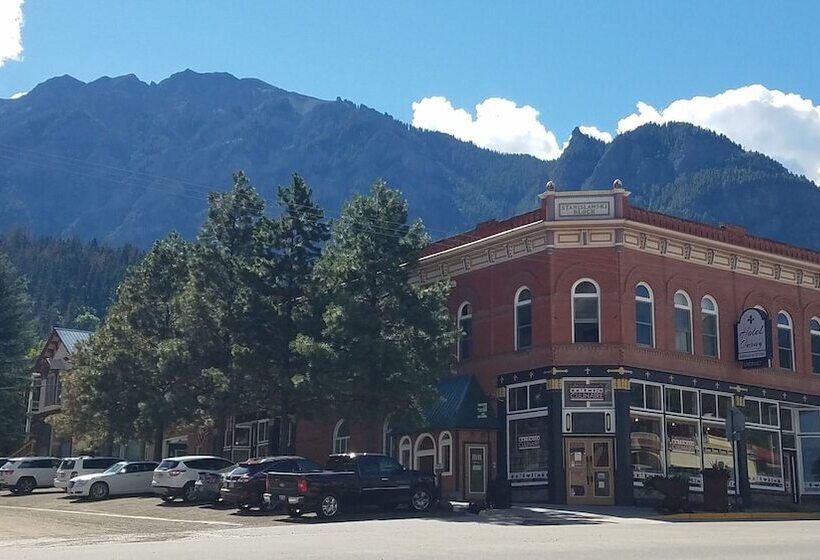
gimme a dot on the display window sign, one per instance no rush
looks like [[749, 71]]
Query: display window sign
[[587, 393], [529, 441], [753, 338]]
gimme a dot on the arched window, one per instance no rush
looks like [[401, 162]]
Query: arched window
[[465, 329], [445, 449], [814, 330], [709, 327], [387, 438], [406, 452], [523, 318], [683, 322], [644, 315], [785, 340], [585, 312], [341, 437], [425, 454]]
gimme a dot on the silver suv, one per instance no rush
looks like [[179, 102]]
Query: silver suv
[[22, 475], [78, 466], [176, 476]]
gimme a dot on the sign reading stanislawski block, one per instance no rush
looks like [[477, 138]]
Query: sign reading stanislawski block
[[753, 338], [584, 207]]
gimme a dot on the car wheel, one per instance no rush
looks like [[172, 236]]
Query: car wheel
[[26, 485], [329, 506], [189, 492], [422, 500], [98, 491], [294, 512]]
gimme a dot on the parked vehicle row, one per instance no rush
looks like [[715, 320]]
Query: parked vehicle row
[[292, 483]]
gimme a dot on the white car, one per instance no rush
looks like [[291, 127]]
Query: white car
[[176, 476], [121, 478], [22, 475], [72, 467]]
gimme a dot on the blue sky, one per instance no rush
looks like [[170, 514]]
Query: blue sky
[[574, 63]]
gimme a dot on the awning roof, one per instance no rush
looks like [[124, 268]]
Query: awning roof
[[462, 405]]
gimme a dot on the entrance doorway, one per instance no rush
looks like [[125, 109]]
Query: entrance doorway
[[590, 471], [792, 482], [475, 471]]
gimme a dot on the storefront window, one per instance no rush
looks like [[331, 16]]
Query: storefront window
[[809, 421], [646, 396], [528, 449], [764, 459], [646, 447], [714, 406], [681, 401], [810, 451], [527, 397], [683, 449], [718, 451]]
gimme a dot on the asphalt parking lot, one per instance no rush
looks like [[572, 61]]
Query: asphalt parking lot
[[50, 517]]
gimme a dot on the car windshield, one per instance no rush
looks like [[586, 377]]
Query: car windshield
[[248, 468], [67, 464], [116, 467]]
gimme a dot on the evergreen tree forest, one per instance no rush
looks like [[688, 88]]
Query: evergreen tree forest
[[70, 282], [277, 316]]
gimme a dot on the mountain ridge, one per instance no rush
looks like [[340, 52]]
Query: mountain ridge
[[125, 161]]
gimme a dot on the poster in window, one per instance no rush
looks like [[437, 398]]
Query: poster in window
[[529, 449], [764, 459], [646, 448], [683, 450]]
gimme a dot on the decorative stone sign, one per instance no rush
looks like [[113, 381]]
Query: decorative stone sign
[[584, 207]]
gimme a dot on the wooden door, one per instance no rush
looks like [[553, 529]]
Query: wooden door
[[590, 471], [475, 471]]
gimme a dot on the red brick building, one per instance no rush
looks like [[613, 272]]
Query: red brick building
[[605, 339]]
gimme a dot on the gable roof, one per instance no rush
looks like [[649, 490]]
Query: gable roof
[[71, 337], [461, 405]]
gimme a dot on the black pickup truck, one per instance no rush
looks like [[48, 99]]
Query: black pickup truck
[[352, 479]]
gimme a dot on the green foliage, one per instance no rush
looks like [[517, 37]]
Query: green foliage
[[67, 277], [384, 343], [16, 337]]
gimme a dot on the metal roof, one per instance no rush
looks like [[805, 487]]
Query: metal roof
[[461, 405], [71, 337]]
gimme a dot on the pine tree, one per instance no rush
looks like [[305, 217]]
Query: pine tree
[[16, 337]]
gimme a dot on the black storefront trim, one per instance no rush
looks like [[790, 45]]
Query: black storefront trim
[[641, 374]]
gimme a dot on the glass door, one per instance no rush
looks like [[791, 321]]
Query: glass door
[[476, 471], [590, 471]]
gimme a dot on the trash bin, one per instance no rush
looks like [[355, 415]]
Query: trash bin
[[499, 495], [716, 489]]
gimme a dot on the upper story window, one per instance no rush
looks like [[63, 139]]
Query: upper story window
[[644, 315], [814, 331], [586, 325], [683, 322], [465, 329], [785, 340], [341, 437], [523, 319], [709, 327]]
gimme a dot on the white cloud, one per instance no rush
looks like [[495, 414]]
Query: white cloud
[[11, 25], [499, 124], [593, 132], [784, 126]]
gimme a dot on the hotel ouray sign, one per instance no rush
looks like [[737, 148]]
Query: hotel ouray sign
[[753, 338]]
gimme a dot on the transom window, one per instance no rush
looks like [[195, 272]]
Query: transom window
[[683, 322], [709, 327], [713, 405], [646, 396], [530, 396], [465, 329], [785, 340], [523, 319], [681, 401], [644, 316], [762, 412], [814, 330], [585, 312]]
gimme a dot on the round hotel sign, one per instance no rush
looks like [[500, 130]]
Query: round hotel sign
[[753, 336]]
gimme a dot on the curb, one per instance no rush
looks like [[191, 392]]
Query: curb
[[742, 516]]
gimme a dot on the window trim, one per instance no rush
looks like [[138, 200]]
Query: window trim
[[337, 438], [441, 446], [716, 314], [790, 329], [651, 301], [676, 307], [597, 297], [518, 304]]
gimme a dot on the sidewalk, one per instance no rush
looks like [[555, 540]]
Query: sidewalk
[[525, 514]]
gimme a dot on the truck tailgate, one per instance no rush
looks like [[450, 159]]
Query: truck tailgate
[[283, 484]]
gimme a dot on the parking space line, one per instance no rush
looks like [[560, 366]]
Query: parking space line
[[143, 517]]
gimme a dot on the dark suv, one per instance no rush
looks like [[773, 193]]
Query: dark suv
[[243, 486]]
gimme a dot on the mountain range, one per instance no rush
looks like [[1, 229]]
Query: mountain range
[[124, 161]]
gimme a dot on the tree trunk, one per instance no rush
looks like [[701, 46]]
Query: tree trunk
[[218, 441], [159, 434]]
